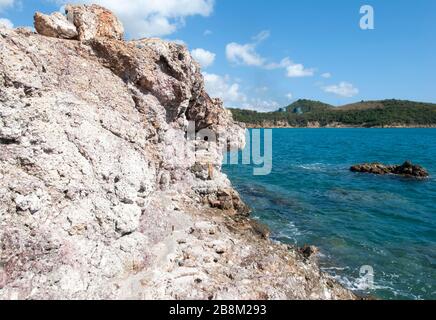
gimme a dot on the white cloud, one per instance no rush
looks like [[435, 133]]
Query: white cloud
[[289, 96], [230, 92], [204, 57], [343, 89], [262, 36], [326, 75], [207, 32], [261, 105], [146, 18], [178, 41], [298, 70], [244, 54], [293, 70], [223, 88], [6, 4], [282, 64], [6, 23]]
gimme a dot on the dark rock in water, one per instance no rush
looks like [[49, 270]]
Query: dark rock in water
[[409, 169], [406, 169]]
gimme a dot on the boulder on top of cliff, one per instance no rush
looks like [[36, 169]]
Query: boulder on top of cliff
[[407, 169], [55, 25], [94, 22]]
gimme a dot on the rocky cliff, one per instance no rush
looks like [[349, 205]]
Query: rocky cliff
[[104, 193]]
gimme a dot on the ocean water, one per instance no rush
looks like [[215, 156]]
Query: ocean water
[[385, 222]]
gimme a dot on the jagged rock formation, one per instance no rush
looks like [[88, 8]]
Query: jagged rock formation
[[407, 169], [55, 25], [105, 194], [94, 22]]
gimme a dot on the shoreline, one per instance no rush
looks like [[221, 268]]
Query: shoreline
[[326, 166], [339, 127]]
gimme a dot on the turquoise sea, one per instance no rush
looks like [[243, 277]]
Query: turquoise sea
[[386, 222]]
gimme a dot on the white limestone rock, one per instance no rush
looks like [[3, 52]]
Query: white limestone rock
[[127, 218], [55, 25]]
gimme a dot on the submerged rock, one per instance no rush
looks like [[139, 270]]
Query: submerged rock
[[406, 169]]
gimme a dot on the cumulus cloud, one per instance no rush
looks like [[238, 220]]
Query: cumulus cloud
[[289, 96], [204, 57], [343, 89], [245, 54], [146, 18], [230, 92], [326, 75], [6, 23], [293, 70], [298, 70], [223, 88], [207, 32]]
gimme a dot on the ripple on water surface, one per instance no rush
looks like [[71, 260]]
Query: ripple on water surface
[[386, 222]]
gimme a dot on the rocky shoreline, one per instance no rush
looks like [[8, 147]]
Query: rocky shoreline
[[103, 195], [336, 126]]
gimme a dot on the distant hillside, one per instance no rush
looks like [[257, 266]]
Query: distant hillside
[[308, 113], [308, 106]]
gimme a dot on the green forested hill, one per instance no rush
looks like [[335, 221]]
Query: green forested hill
[[362, 114], [308, 106]]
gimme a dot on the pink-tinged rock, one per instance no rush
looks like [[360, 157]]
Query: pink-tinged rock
[[3, 279], [55, 25], [94, 22], [98, 199]]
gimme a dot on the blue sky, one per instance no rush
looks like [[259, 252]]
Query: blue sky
[[263, 54]]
